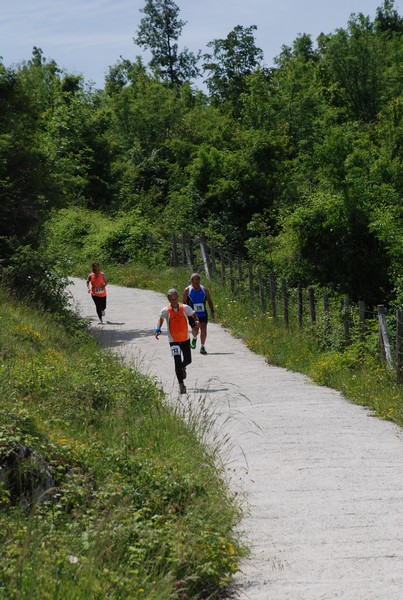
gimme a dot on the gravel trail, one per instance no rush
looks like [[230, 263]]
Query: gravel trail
[[322, 478]]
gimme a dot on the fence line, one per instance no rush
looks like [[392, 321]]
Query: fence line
[[198, 254]]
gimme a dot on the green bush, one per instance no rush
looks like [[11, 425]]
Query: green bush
[[78, 236], [30, 275]]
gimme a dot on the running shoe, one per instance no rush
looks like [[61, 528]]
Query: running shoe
[[193, 343], [203, 350], [182, 388]]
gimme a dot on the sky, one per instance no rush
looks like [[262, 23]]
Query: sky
[[88, 36]]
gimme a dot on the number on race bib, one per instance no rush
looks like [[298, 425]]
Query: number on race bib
[[175, 350], [198, 307], [99, 290]]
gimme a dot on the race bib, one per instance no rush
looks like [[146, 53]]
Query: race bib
[[99, 290], [199, 307], [175, 350]]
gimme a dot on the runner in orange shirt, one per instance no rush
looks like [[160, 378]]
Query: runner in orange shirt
[[96, 284], [176, 316]]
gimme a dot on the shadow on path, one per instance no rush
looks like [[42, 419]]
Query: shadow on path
[[219, 353], [207, 390], [118, 337]]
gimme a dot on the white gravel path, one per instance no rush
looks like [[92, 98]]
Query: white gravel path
[[322, 478]]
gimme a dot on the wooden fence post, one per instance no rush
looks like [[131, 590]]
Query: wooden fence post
[[250, 277], [191, 253], [326, 314], [326, 304], [240, 274], [300, 306], [384, 337], [399, 355], [272, 281], [361, 314], [231, 273], [184, 258], [222, 256], [212, 258], [312, 311], [346, 319], [187, 260], [285, 301], [174, 251], [261, 290], [203, 250]]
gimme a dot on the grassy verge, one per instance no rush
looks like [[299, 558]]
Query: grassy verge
[[138, 507], [354, 370]]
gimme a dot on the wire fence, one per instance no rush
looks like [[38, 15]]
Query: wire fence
[[336, 322]]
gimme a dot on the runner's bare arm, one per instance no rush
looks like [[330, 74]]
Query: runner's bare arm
[[210, 302], [158, 328]]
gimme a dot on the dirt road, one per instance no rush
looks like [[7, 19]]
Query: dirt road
[[322, 478]]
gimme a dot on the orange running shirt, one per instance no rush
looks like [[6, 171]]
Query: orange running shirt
[[97, 284], [178, 324]]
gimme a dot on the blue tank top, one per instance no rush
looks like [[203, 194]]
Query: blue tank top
[[197, 300]]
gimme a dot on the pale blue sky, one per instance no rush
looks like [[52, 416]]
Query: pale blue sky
[[88, 36]]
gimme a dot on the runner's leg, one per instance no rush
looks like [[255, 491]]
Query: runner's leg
[[103, 305], [187, 355], [203, 333], [178, 363], [98, 306]]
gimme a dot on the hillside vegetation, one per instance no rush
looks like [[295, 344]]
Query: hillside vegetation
[[105, 492], [297, 167]]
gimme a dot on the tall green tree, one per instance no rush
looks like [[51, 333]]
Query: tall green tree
[[388, 19], [26, 191], [78, 146], [158, 32], [231, 61], [353, 67], [295, 95], [328, 240]]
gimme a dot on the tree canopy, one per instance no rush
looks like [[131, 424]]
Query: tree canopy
[[159, 31], [304, 158]]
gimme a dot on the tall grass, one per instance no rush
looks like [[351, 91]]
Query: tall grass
[[139, 507], [318, 351]]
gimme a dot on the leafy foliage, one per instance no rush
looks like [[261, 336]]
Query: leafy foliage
[[332, 244], [321, 129], [297, 167], [76, 235], [159, 30], [231, 61]]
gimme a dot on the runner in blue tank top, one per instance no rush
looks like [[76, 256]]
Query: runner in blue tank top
[[196, 295]]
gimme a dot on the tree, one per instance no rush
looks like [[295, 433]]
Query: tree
[[25, 186], [295, 95], [158, 31], [388, 19], [231, 61], [328, 240], [354, 66]]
